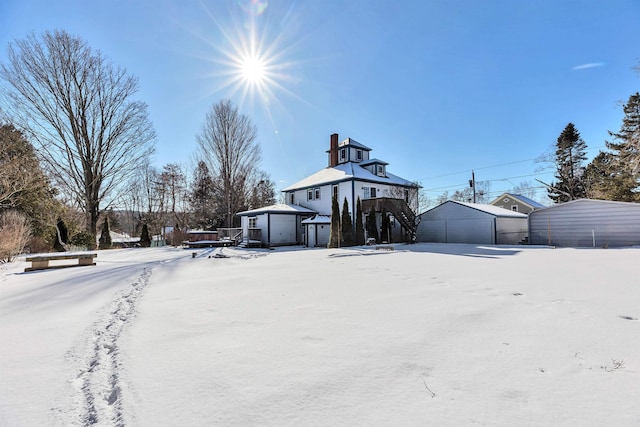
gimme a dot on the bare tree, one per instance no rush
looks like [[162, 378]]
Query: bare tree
[[227, 145], [15, 232], [174, 181], [76, 106]]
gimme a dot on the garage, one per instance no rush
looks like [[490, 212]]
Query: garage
[[586, 223], [459, 222]]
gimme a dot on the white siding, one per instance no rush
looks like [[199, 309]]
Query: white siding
[[586, 223], [454, 223]]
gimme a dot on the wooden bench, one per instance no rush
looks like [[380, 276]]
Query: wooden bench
[[384, 248], [41, 262]]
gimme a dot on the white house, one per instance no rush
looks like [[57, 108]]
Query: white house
[[353, 173], [304, 218]]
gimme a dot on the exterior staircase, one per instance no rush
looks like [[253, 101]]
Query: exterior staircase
[[399, 208]]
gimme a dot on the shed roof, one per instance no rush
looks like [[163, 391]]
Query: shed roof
[[490, 209], [317, 219], [590, 201], [278, 208]]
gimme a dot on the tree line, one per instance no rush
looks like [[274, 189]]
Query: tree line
[[613, 174], [76, 151]]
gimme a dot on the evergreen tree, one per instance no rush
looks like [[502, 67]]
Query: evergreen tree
[[569, 162], [62, 236], [625, 168], [346, 225], [201, 197], [385, 228], [372, 226], [359, 236], [145, 239], [24, 186], [334, 231], [605, 180], [105, 237]]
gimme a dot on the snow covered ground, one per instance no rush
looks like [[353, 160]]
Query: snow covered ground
[[426, 334]]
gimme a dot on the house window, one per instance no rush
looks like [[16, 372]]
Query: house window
[[343, 154], [253, 222], [369, 192], [380, 170], [514, 208], [359, 154], [406, 195], [334, 192], [292, 198], [313, 194]]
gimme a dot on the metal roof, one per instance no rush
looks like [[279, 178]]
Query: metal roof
[[278, 208]]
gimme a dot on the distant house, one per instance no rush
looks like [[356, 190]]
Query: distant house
[[353, 173], [123, 240], [459, 222], [516, 203], [275, 225], [586, 223]]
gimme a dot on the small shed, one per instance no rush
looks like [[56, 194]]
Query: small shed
[[274, 225], [317, 230], [586, 223], [460, 222]]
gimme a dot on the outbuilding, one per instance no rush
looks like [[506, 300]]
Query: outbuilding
[[274, 225], [586, 223], [460, 222], [317, 231]]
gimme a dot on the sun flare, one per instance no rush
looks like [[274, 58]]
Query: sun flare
[[252, 70]]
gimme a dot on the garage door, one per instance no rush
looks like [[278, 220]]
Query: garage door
[[283, 229], [457, 231], [470, 231]]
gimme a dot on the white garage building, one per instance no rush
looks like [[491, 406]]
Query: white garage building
[[275, 225], [459, 222]]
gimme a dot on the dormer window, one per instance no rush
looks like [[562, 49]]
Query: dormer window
[[359, 155], [343, 154], [380, 170]]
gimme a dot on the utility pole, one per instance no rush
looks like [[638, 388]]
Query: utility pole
[[472, 184]]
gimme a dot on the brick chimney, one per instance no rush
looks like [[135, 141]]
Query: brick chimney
[[333, 151]]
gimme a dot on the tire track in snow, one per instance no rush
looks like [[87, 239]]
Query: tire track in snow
[[98, 387]]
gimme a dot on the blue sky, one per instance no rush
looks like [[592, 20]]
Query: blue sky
[[437, 88]]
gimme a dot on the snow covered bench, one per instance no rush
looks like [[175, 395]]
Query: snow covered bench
[[41, 262]]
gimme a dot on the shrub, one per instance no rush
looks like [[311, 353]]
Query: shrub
[[145, 239], [83, 239], [105, 236], [15, 232]]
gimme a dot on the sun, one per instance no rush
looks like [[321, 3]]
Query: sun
[[254, 57], [253, 70]]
